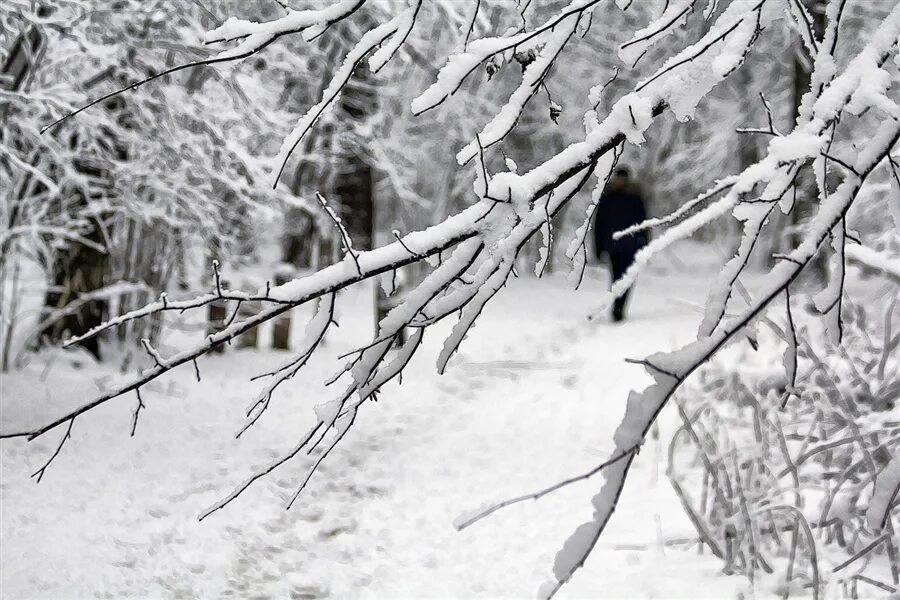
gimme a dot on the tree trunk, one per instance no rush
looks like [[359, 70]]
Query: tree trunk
[[805, 186], [78, 269]]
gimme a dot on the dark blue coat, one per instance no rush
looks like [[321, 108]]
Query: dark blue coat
[[618, 209]]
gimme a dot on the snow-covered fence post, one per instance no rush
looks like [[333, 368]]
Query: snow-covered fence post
[[217, 310], [217, 315], [247, 310], [281, 329]]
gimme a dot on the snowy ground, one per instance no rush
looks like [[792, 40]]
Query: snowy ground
[[532, 398]]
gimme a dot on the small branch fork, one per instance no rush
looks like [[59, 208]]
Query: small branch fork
[[154, 353], [531, 84], [772, 130], [315, 333], [644, 362], [39, 474], [166, 305], [581, 237], [345, 235], [541, 493], [514, 42], [700, 51], [661, 29], [137, 411]]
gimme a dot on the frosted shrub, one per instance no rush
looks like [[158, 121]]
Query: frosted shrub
[[791, 485]]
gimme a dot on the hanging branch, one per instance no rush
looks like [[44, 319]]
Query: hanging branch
[[471, 27], [366, 44], [577, 250], [137, 412], [486, 512], [790, 353], [345, 235], [771, 130], [315, 332], [39, 474], [548, 243]]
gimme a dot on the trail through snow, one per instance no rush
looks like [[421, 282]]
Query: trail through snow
[[532, 398]]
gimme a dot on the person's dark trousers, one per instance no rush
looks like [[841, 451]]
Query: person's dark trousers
[[620, 263]]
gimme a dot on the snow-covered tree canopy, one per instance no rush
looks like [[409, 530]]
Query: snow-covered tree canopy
[[183, 152], [844, 136]]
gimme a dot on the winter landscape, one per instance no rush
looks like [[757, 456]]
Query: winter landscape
[[449, 299]]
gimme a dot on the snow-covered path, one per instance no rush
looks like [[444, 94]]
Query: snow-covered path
[[532, 398]]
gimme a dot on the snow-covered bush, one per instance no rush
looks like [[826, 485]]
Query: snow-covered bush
[[842, 138], [794, 485]]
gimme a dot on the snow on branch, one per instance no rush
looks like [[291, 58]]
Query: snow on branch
[[295, 21], [682, 210], [803, 23], [577, 250], [368, 42], [316, 329], [674, 13], [733, 33], [460, 66], [873, 259], [406, 22], [532, 78]]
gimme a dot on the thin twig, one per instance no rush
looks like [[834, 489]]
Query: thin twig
[[536, 495]]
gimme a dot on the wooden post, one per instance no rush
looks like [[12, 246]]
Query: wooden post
[[281, 333], [281, 330], [249, 339], [217, 317], [78, 270]]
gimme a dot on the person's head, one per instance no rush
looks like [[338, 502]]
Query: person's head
[[621, 177]]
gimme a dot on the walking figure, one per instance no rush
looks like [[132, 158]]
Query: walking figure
[[621, 206]]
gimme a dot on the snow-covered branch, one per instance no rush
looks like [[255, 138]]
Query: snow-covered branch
[[873, 259]]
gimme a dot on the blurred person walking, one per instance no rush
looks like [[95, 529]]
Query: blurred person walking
[[621, 206]]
